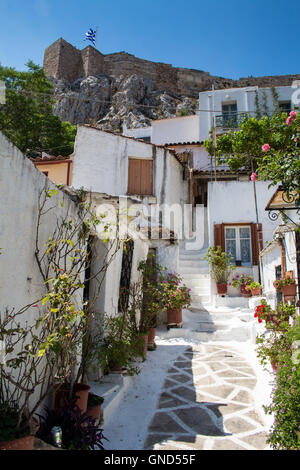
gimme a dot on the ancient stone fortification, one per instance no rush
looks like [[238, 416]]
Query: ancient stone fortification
[[64, 61]]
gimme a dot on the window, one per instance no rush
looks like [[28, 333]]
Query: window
[[238, 244], [140, 176], [285, 106], [229, 114], [242, 240]]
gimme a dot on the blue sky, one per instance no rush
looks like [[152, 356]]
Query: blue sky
[[226, 38]]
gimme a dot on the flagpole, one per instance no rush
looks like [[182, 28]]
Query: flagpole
[[96, 37]]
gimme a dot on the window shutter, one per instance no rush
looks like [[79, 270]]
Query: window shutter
[[140, 176], [256, 242], [219, 236]]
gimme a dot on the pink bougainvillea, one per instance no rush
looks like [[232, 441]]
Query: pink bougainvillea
[[253, 177]]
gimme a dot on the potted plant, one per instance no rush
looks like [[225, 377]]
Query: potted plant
[[79, 430], [177, 297], [15, 429], [254, 287], [242, 280], [154, 296], [220, 267], [287, 286], [94, 406]]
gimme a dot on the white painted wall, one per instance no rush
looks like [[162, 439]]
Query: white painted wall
[[139, 133], [20, 185], [101, 166], [233, 202], [269, 260], [176, 130]]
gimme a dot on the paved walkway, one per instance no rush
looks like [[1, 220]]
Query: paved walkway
[[196, 391], [207, 402]]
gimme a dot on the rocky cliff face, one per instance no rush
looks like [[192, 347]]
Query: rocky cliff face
[[113, 101]]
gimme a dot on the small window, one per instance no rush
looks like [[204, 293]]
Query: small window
[[140, 176], [285, 106], [238, 244]]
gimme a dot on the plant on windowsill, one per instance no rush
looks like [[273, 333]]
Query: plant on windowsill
[[255, 288], [220, 267]]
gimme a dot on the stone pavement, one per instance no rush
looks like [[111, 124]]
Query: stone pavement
[[207, 403]]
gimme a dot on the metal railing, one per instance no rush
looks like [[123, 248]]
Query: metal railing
[[231, 121]]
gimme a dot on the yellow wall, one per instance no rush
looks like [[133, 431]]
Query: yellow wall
[[57, 172]]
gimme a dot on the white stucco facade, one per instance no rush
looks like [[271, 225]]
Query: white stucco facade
[[21, 184], [101, 166], [176, 130], [211, 103]]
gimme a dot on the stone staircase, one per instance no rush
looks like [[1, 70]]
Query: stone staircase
[[195, 275]]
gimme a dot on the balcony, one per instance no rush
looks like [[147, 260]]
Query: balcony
[[231, 121]]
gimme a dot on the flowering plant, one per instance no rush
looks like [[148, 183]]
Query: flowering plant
[[178, 296], [279, 283], [241, 280], [263, 312]]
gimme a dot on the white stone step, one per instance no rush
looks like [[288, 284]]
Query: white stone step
[[192, 270], [196, 277], [197, 283], [200, 298], [192, 262], [202, 289]]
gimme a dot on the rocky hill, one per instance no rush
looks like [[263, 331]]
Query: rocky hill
[[116, 89], [113, 101]]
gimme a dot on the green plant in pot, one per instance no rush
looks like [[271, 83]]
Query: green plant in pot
[[94, 406], [15, 429], [154, 296], [117, 352], [254, 287], [220, 267], [178, 297]]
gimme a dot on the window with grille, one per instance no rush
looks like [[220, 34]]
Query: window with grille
[[140, 176]]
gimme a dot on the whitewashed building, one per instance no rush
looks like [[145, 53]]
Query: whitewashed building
[[138, 179]]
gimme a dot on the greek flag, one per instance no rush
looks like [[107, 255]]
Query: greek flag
[[91, 36]]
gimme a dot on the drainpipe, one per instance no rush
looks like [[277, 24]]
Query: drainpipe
[[191, 200]]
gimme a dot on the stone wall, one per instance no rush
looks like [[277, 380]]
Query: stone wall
[[64, 61]]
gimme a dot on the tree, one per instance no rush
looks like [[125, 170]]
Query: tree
[[267, 147], [27, 117]]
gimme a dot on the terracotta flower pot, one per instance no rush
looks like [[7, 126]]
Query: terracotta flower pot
[[23, 443], [256, 291], [151, 338], [174, 316], [144, 339], [222, 289], [62, 396], [289, 290], [81, 392], [244, 292], [94, 411]]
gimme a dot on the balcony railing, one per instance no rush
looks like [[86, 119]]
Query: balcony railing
[[231, 121]]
